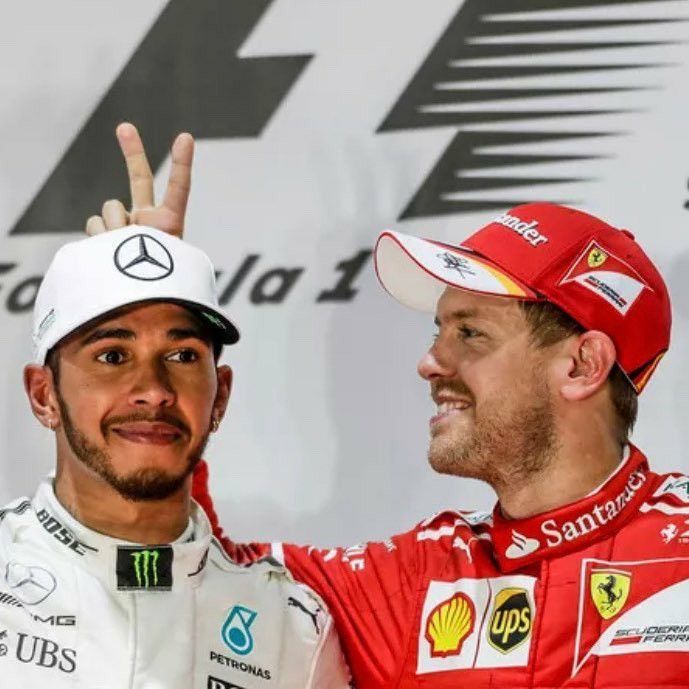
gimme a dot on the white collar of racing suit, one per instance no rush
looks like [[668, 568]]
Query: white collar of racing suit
[[122, 565]]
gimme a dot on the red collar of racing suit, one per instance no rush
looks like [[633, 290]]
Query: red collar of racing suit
[[518, 542]]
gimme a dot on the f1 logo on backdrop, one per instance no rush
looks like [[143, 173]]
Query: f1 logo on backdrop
[[482, 46], [190, 39]]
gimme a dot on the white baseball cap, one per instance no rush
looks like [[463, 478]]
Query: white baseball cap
[[91, 277]]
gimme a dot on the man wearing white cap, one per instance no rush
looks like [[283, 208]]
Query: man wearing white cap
[[549, 324], [110, 576]]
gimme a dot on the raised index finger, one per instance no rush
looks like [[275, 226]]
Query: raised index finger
[[140, 175]]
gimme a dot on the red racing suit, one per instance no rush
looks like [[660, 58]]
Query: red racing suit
[[592, 594]]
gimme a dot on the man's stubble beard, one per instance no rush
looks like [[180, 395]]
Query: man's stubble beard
[[508, 443], [141, 485]]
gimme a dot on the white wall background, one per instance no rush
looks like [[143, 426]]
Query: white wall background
[[325, 439]]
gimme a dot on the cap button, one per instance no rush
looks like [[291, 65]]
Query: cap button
[[628, 234]]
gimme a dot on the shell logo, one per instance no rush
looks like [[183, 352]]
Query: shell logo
[[449, 624]]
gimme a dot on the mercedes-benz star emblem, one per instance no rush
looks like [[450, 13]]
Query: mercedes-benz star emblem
[[30, 584], [143, 258]]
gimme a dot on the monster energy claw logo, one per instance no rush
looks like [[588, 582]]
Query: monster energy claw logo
[[144, 569], [145, 562]]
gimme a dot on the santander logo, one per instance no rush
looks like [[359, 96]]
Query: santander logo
[[527, 230], [579, 524], [599, 515], [521, 545]]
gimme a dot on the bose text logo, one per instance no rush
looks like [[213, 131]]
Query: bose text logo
[[527, 230], [61, 533]]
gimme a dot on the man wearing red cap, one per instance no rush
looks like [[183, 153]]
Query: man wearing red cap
[[549, 324]]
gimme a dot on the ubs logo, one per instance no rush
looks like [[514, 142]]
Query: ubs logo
[[143, 258]]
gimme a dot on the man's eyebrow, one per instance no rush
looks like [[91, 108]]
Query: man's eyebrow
[[186, 333], [459, 315], [108, 334], [124, 334]]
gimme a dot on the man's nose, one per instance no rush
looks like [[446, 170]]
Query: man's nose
[[152, 387], [434, 365]]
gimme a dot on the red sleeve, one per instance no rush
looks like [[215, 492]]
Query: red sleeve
[[242, 553], [370, 589]]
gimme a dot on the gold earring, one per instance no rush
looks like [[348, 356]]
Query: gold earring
[[51, 425], [214, 424]]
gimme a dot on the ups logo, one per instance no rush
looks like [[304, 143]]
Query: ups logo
[[510, 623]]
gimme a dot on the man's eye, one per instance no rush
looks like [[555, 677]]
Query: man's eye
[[467, 333], [184, 356], [112, 357]]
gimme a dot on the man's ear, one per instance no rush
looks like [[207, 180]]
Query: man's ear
[[222, 396], [40, 389], [591, 356]]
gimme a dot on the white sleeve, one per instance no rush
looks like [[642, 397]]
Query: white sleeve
[[329, 670]]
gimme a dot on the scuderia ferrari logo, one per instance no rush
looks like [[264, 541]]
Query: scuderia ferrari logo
[[632, 607], [607, 276], [597, 257], [609, 591]]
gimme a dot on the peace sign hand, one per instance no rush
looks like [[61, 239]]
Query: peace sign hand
[[169, 215]]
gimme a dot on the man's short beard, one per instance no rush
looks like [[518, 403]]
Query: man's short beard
[[146, 484], [506, 446]]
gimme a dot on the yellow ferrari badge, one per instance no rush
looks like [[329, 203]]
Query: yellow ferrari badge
[[609, 591]]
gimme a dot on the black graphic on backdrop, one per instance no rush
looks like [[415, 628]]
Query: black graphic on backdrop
[[421, 103], [185, 75], [263, 284]]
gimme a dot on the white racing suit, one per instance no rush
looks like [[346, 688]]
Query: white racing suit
[[80, 609]]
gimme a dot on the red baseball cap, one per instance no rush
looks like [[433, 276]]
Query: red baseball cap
[[594, 272]]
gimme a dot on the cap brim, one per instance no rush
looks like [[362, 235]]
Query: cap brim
[[227, 331], [416, 271]]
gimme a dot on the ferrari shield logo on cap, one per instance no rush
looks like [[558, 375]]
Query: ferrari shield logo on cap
[[597, 257], [609, 591], [606, 276]]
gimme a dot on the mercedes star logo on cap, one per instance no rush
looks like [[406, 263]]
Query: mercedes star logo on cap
[[143, 258]]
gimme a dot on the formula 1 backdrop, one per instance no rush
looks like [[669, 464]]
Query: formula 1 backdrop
[[318, 125]]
